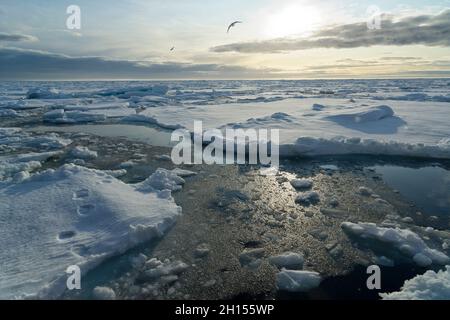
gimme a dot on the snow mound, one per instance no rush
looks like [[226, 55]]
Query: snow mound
[[277, 119], [429, 286], [397, 243], [297, 281], [71, 216], [183, 173], [288, 260], [371, 114], [83, 153]]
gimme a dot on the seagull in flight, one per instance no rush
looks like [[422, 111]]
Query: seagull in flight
[[232, 25], [171, 49]]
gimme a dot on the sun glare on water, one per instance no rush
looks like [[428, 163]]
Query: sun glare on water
[[292, 20]]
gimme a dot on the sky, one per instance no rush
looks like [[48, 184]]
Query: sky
[[277, 39]]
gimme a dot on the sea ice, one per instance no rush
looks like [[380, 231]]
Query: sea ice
[[297, 281], [400, 243], [103, 293], [288, 260], [83, 153], [71, 216], [301, 183], [429, 286]]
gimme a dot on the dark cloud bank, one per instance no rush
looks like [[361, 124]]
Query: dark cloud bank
[[16, 64], [15, 37], [430, 30]]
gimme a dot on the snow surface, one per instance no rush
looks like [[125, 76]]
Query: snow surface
[[429, 286], [73, 215]]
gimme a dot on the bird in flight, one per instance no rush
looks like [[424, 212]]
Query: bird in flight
[[171, 49], [232, 25]]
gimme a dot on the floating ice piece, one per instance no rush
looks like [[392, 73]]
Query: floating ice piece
[[183, 173], [309, 197], [116, 173], [163, 157], [161, 179], [83, 153], [251, 258], [364, 191], [429, 286], [10, 166], [288, 260], [384, 261], [402, 242], [17, 138], [103, 293], [312, 146], [301, 183], [71, 216], [297, 281]]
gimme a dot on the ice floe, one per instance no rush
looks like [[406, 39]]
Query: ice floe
[[83, 153], [395, 243], [297, 281], [72, 216], [429, 286], [288, 260], [307, 198]]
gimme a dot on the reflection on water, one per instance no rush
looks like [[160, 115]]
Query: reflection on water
[[149, 135], [427, 187]]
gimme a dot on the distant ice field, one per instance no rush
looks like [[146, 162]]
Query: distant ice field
[[315, 117]]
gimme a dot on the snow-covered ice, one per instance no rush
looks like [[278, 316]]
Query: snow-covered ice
[[297, 281], [73, 216], [397, 243], [429, 286], [83, 153]]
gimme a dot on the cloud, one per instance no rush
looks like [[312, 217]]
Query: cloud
[[16, 37], [18, 63], [429, 30]]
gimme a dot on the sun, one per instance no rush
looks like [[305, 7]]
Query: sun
[[292, 20]]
